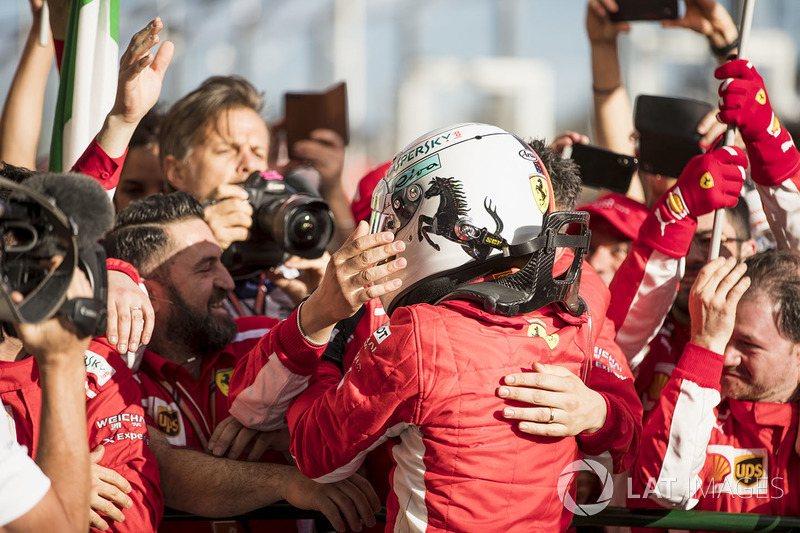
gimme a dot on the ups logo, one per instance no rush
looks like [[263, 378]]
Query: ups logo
[[748, 469], [168, 421]]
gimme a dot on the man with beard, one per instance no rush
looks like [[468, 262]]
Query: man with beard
[[723, 436], [185, 370]]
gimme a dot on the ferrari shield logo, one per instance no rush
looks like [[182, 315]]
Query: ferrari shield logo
[[540, 192], [223, 380], [537, 329]]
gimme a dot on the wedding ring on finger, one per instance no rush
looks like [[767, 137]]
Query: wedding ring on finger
[[552, 415]]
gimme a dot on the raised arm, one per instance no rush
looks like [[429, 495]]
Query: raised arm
[[677, 433], [21, 121], [774, 159], [63, 451], [613, 123]]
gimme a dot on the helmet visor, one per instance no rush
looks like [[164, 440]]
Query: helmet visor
[[382, 218]]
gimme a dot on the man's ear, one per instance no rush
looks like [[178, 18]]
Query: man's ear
[[175, 172], [157, 293]]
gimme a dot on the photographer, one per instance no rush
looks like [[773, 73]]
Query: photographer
[[212, 140]]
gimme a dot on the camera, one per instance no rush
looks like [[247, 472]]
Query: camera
[[32, 231], [46, 231], [285, 223]]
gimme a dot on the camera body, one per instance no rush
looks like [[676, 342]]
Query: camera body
[[285, 223]]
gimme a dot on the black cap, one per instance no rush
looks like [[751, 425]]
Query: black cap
[[668, 136]]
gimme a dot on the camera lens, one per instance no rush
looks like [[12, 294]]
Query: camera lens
[[303, 228]]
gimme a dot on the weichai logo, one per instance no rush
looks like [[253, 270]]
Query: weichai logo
[[168, 421], [748, 469]]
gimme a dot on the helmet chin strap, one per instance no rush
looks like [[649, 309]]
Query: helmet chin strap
[[533, 286]]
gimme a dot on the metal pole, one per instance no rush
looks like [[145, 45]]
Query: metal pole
[[730, 134]]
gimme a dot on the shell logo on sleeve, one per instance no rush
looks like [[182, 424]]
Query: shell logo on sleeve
[[774, 128], [676, 205], [720, 467]]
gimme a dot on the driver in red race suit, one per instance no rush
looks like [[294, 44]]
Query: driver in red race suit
[[473, 205]]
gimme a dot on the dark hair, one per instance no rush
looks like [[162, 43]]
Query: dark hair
[[140, 235], [146, 133], [189, 115], [738, 216], [776, 274], [15, 174], [564, 175]]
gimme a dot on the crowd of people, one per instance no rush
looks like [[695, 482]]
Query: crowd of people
[[469, 333]]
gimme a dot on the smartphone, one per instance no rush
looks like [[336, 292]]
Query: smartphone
[[305, 112], [604, 169], [630, 10]]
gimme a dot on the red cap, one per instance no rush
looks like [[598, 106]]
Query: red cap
[[360, 206], [624, 214]]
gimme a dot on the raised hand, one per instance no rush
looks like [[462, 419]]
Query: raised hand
[[744, 103], [141, 73], [601, 29], [712, 302], [355, 275], [138, 87]]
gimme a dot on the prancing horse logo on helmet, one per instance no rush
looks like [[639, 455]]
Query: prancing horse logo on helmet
[[451, 221]]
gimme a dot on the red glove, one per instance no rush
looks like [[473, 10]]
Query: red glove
[[744, 103], [710, 181]]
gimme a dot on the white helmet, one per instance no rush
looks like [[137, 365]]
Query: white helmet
[[469, 200]]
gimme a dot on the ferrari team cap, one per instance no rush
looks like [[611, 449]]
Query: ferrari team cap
[[624, 214], [668, 136]]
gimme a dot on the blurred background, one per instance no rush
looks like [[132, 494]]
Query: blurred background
[[414, 65]]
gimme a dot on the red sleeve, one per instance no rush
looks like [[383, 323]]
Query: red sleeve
[[119, 265], [677, 432], [96, 164], [644, 289], [116, 419], [271, 375], [611, 377], [380, 390]]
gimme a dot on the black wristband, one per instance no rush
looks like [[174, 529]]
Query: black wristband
[[724, 51]]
